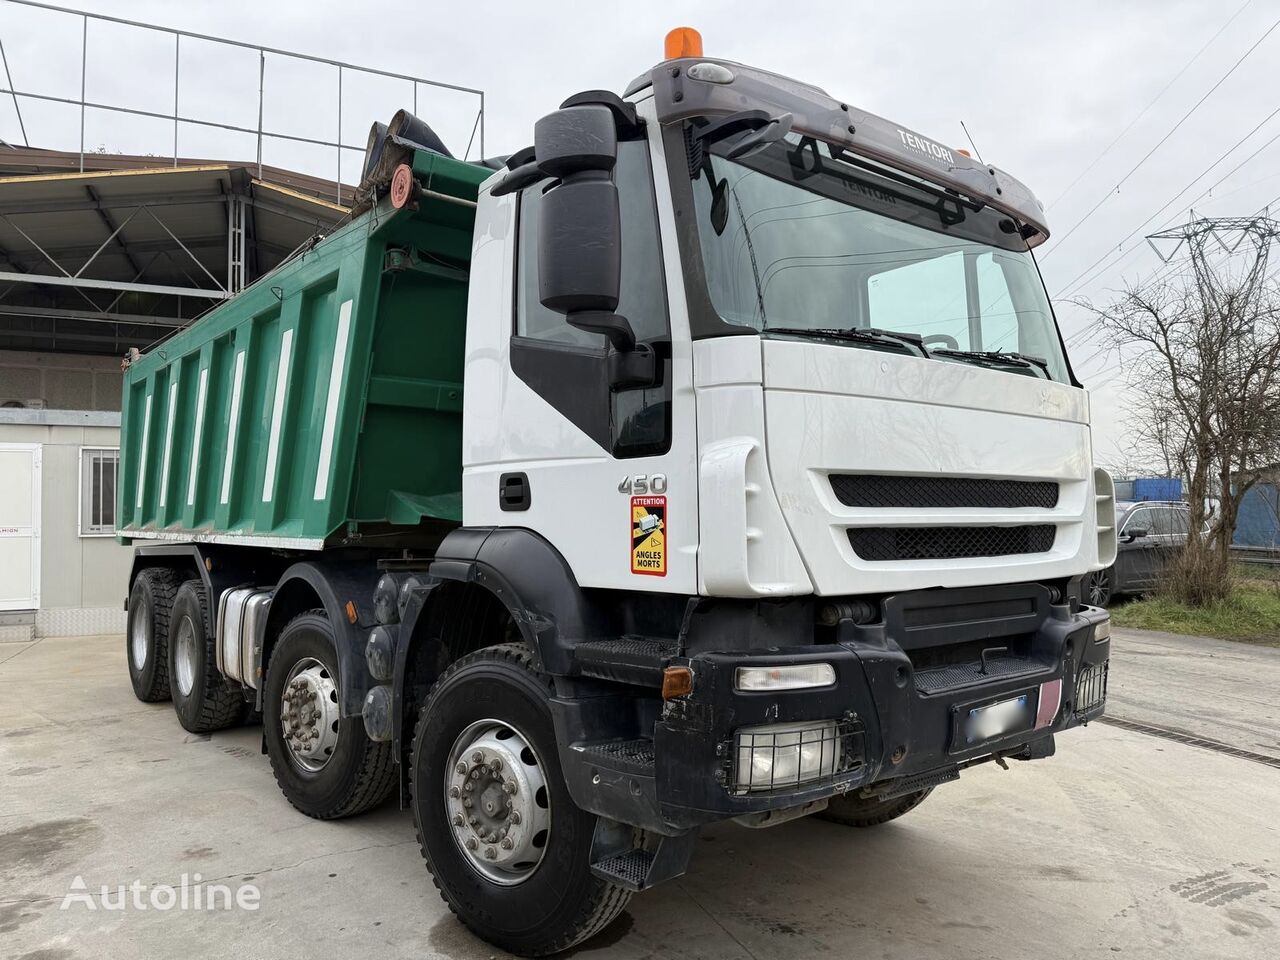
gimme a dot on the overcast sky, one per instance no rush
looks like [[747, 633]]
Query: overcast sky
[[1043, 87]]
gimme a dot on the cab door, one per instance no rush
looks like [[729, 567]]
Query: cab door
[[606, 474]]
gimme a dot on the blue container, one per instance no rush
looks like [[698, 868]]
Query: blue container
[[1157, 488]]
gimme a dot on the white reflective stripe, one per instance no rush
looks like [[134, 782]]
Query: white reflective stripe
[[168, 443], [331, 403], [196, 437], [236, 385], [142, 460], [277, 412]]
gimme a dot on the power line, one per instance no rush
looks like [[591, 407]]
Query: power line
[[1185, 67], [1088, 271], [1164, 139]]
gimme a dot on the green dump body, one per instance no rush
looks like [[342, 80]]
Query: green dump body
[[324, 402]]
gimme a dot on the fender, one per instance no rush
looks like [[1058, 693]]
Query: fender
[[337, 584], [531, 579]]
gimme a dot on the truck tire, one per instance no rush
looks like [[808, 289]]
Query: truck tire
[[854, 811], [326, 765], [147, 639], [202, 698], [516, 870]]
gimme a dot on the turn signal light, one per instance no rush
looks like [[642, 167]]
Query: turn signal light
[[683, 42], [676, 682]]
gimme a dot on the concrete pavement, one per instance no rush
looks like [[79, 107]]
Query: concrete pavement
[[1210, 688], [1122, 845]]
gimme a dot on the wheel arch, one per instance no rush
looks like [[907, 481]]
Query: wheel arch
[[341, 590]]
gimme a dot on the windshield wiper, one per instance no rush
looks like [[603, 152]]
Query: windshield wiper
[[998, 358], [913, 342]]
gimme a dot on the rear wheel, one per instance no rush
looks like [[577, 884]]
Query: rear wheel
[[202, 698], [852, 811], [325, 764], [147, 638], [508, 849], [1098, 587]]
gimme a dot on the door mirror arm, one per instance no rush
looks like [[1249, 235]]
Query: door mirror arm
[[637, 367]]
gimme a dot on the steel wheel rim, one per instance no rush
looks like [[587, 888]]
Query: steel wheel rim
[[309, 715], [138, 639], [497, 802], [185, 661]]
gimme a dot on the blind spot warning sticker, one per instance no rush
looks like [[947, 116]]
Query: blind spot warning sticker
[[649, 536]]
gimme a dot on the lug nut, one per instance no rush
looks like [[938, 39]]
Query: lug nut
[[477, 757], [467, 802], [506, 843], [509, 788], [490, 853], [462, 768], [496, 765], [457, 820], [471, 843], [474, 821], [454, 792], [515, 817]]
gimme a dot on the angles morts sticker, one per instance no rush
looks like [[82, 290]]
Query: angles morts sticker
[[649, 536]]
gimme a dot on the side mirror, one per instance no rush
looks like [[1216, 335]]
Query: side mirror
[[1134, 533], [580, 228]]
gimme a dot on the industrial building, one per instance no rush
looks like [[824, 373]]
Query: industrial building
[[93, 263], [102, 252]]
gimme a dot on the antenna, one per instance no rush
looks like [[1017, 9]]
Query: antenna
[[976, 151]]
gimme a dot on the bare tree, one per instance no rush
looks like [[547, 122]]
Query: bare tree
[[1203, 354]]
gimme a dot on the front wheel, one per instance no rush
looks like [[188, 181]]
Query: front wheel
[[1098, 587], [508, 849], [852, 811]]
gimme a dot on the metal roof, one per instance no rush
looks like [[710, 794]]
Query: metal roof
[[115, 256]]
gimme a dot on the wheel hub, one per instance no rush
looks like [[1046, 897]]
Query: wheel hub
[[309, 714], [185, 661], [497, 803], [138, 641]]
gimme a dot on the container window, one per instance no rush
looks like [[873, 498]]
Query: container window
[[99, 467]]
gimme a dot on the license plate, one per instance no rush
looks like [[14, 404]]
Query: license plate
[[997, 719]]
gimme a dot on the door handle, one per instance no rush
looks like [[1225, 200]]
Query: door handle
[[513, 491]]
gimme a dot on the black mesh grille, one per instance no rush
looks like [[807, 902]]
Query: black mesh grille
[[873, 490], [945, 543]]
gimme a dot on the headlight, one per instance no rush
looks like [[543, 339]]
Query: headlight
[[797, 676], [1102, 630], [782, 755]]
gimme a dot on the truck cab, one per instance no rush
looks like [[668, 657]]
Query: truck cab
[[776, 498]]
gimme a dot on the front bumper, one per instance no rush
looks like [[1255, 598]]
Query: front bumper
[[901, 702]]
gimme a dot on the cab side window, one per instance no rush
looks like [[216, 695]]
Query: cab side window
[[637, 422]]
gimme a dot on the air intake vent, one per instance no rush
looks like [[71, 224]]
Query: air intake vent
[[875, 490], [882, 544]]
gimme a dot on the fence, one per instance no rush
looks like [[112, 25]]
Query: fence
[[178, 119]]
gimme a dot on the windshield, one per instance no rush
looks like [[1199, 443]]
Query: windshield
[[801, 239]]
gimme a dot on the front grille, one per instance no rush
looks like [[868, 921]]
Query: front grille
[[883, 544], [877, 490], [1091, 687]]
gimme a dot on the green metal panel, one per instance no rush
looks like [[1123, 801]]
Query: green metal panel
[[322, 403]]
